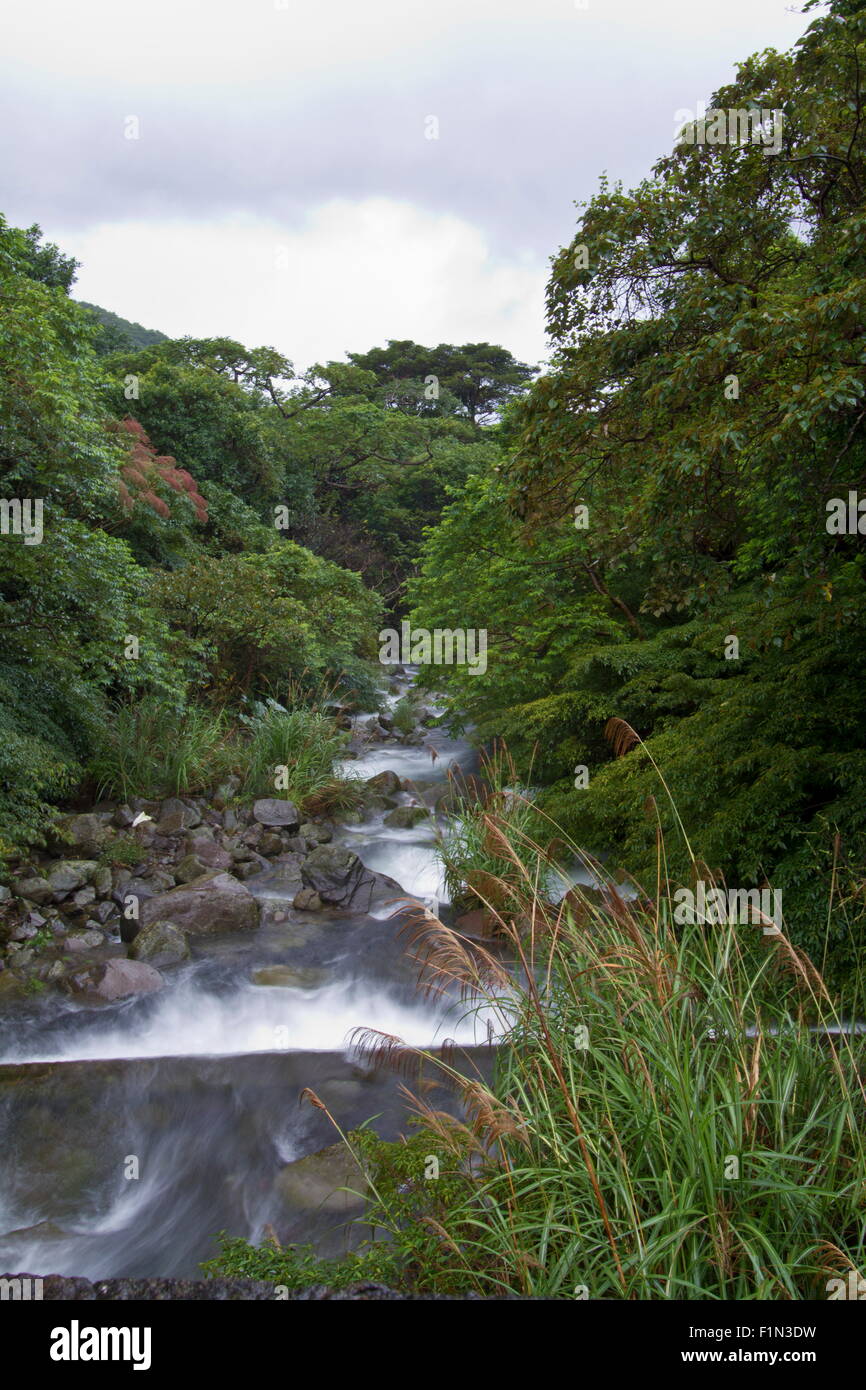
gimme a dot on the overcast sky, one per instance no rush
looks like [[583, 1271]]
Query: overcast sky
[[283, 188]]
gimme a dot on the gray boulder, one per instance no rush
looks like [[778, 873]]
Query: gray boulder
[[160, 943], [316, 1183], [176, 816], [68, 874], [385, 783], [207, 906], [35, 890], [274, 811], [120, 978], [85, 835], [405, 817], [339, 877]]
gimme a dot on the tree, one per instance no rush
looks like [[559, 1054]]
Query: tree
[[476, 380], [705, 405]]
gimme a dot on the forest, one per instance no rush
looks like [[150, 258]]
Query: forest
[[660, 534]]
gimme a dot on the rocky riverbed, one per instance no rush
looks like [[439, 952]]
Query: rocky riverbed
[[175, 974]]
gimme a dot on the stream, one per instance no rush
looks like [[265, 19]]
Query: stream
[[133, 1132]]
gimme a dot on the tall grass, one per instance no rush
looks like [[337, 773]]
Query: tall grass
[[307, 744], [153, 749], [478, 864], [677, 1111]]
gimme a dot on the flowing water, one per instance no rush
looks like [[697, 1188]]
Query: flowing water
[[196, 1088]]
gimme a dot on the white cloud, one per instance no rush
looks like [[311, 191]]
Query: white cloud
[[351, 275]]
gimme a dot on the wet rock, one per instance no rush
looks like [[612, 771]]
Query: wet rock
[[160, 943], [285, 977], [86, 835], [55, 971], [118, 979], [84, 897], [339, 877], [138, 888], [102, 881], [321, 834], [84, 940], [5, 893], [385, 783], [273, 811], [66, 875], [214, 903], [386, 721], [271, 843], [249, 869], [191, 866], [202, 835], [104, 912], [35, 890], [176, 816], [230, 820], [314, 1183], [123, 817], [307, 900], [406, 817], [297, 844], [25, 931]]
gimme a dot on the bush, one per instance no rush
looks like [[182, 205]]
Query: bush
[[155, 749], [304, 741]]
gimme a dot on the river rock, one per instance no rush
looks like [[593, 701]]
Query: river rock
[[287, 977], [138, 888], [320, 834], [271, 843], [83, 940], [406, 817], [273, 811], [175, 816], [68, 874], [192, 866], [214, 903], [385, 783], [86, 835], [250, 868], [339, 877], [314, 1183], [35, 890], [84, 897], [161, 943], [119, 978], [307, 900]]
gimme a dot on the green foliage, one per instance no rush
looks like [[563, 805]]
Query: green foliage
[[405, 1248], [303, 741], [703, 408], [475, 380], [116, 334], [157, 749], [260, 624]]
